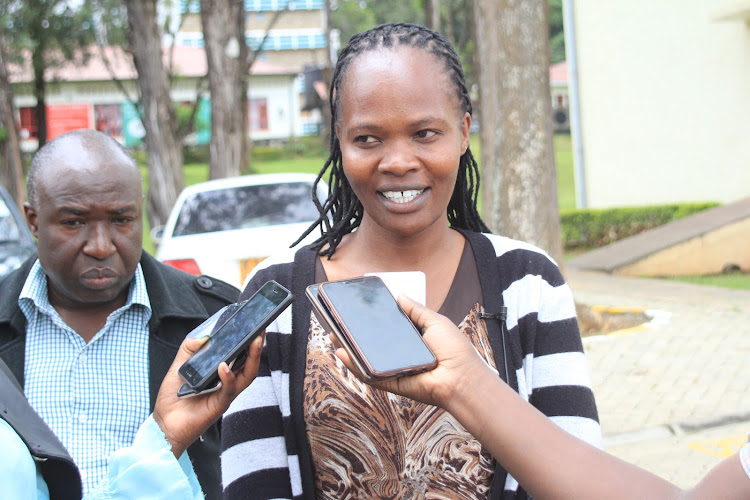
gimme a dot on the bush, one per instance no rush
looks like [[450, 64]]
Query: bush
[[594, 228]]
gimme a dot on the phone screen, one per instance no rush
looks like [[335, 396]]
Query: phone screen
[[237, 325], [377, 325]]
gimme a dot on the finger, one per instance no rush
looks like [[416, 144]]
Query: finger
[[240, 380], [228, 385], [422, 316], [344, 357], [334, 340], [187, 349]]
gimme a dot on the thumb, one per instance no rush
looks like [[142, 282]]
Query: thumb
[[188, 347]]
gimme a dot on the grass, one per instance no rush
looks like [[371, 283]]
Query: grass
[[739, 281]]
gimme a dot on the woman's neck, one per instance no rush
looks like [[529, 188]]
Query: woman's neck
[[436, 253]]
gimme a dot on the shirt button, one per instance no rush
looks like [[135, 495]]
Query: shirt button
[[82, 417], [82, 357]]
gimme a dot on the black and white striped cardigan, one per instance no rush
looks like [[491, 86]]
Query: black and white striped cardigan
[[265, 451]]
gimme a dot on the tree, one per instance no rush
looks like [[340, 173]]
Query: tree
[[159, 118], [11, 171], [226, 54], [54, 31], [520, 183], [229, 67], [432, 14]]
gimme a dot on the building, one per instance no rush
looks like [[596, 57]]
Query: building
[[664, 90], [296, 41], [88, 96]]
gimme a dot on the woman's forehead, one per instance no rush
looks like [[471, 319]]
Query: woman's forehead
[[396, 74]]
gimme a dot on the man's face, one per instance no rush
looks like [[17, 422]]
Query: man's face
[[89, 227]]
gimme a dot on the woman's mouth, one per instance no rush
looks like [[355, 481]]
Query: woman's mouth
[[402, 196]]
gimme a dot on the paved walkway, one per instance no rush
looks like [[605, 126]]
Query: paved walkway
[[664, 390]]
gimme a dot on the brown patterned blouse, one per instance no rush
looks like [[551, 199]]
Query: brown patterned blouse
[[368, 443]]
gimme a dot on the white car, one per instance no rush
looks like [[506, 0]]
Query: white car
[[223, 228]]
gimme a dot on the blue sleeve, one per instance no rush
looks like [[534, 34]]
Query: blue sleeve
[[18, 473], [148, 469]]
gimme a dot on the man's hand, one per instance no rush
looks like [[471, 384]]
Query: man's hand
[[458, 361], [184, 419]]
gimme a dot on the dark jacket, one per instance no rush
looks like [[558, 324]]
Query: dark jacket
[[179, 303], [58, 469]]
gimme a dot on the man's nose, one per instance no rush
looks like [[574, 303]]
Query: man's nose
[[99, 244]]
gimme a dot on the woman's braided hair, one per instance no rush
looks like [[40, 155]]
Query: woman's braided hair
[[342, 211]]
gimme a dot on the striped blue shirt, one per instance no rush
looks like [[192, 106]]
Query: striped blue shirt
[[93, 396]]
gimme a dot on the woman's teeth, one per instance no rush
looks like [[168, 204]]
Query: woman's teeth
[[402, 196]]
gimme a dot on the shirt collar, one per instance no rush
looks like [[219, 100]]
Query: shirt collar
[[34, 290]]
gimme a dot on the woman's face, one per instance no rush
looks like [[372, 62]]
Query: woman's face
[[402, 133]]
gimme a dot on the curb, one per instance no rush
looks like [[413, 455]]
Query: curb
[[658, 317]]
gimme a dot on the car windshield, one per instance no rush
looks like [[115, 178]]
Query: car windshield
[[245, 207], [9, 230]]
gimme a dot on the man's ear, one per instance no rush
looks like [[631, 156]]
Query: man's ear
[[31, 218]]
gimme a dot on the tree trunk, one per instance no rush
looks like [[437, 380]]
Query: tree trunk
[[40, 92], [11, 171], [224, 36], [518, 166], [432, 14], [165, 176]]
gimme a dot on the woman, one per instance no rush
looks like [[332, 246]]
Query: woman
[[403, 187]]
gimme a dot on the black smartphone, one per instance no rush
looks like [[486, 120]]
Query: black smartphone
[[234, 330], [377, 331]]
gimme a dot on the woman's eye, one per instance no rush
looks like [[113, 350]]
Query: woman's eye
[[426, 134], [365, 139]]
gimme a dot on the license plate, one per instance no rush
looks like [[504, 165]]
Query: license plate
[[247, 265]]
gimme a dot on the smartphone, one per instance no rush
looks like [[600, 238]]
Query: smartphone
[[379, 333], [325, 320], [235, 328]]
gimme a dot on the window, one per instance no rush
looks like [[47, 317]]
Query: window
[[29, 127], [244, 207], [108, 119], [258, 114]]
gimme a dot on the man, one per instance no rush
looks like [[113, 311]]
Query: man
[[91, 327]]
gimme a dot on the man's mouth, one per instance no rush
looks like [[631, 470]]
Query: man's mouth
[[100, 273], [402, 196]]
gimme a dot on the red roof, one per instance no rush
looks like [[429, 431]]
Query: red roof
[[187, 61], [558, 73]]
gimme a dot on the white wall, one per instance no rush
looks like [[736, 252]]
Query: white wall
[[665, 101], [283, 103]]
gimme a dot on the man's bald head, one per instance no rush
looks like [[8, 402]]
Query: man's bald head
[[82, 150]]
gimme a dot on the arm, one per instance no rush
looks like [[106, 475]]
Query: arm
[[547, 461], [155, 465]]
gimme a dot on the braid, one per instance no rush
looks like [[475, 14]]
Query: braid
[[342, 212]]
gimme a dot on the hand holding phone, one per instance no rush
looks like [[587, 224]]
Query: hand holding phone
[[234, 327], [375, 330]]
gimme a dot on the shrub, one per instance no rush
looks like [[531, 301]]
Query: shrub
[[598, 227]]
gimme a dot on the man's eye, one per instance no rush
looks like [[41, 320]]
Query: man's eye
[[72, 222]]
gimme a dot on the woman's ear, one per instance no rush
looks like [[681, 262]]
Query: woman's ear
[[465, 128]]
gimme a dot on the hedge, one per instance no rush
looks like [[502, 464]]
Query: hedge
[[597, 227]]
